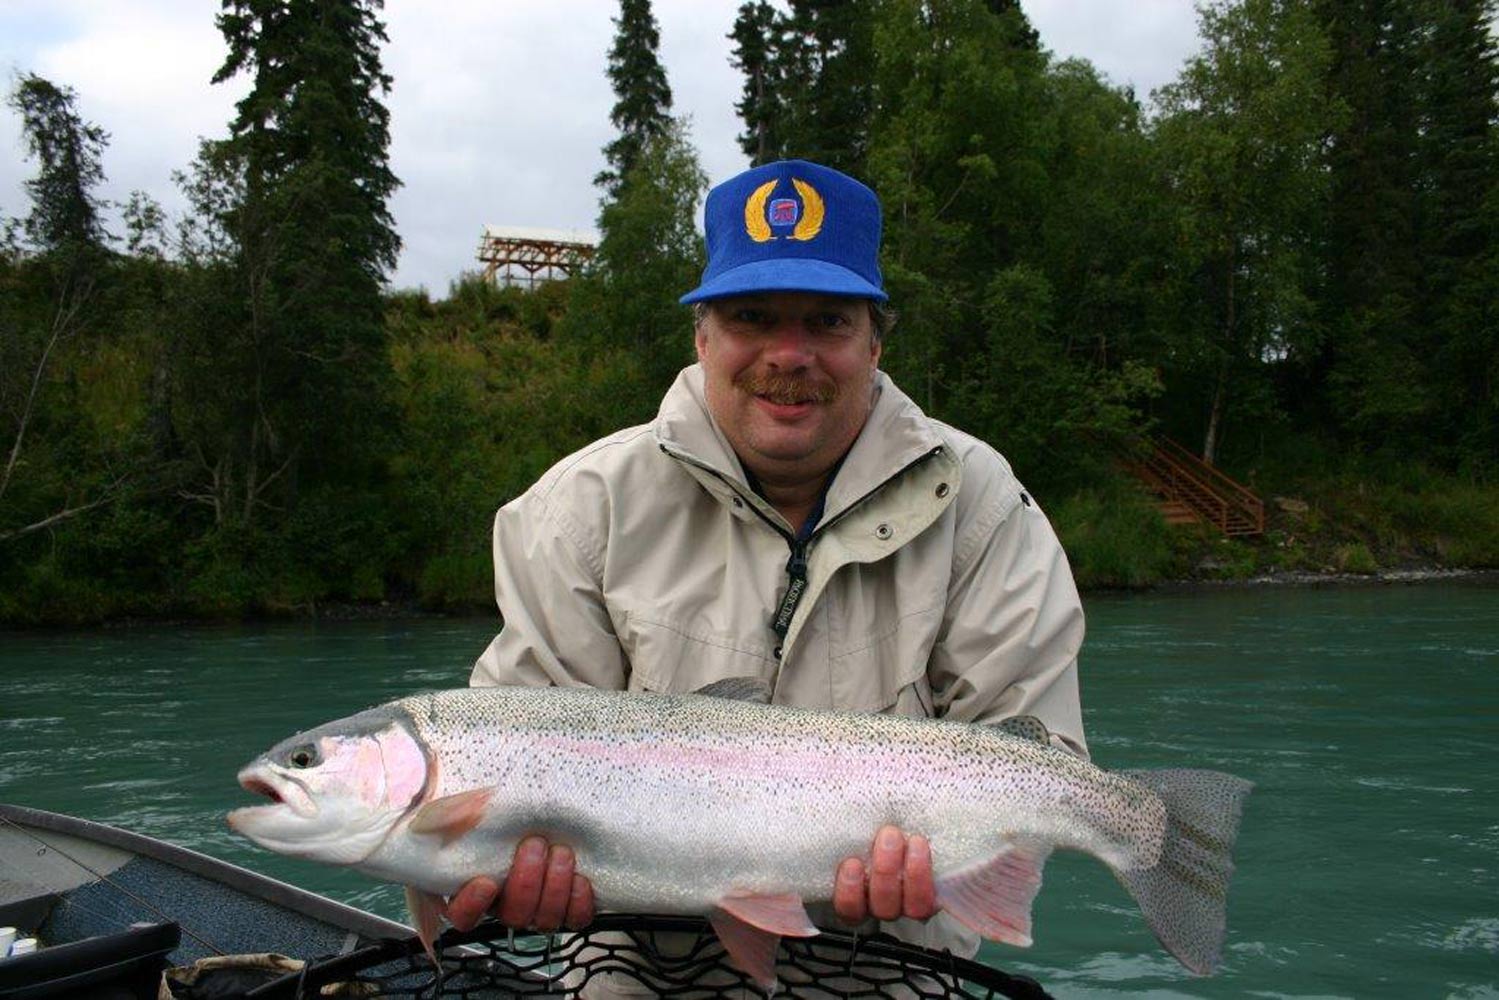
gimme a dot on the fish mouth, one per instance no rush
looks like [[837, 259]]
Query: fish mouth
[[284, 792], [259, 787]]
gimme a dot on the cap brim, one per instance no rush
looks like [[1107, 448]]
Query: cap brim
[[785, 275]]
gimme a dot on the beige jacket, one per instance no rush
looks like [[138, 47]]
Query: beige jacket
[[934, 584]]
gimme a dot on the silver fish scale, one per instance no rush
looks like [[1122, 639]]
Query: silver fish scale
[[673, 801]]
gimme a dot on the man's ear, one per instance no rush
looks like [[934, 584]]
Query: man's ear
[[876, 347], [700, 340]]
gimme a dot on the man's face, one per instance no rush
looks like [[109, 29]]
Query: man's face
[[790, 378]]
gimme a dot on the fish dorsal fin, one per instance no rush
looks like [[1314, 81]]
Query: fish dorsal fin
[[452, 815], [738, 689], [751, 927], [994, 898], [1026, 727]]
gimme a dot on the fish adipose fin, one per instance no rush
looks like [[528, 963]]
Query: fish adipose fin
[[427, 911], [751, 928], [1025, 727], [452, 815], [994, 898], [1184, 895]]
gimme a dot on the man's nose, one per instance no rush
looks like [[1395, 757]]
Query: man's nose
[[789, 345]]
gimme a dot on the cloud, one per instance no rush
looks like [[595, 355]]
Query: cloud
[[499, 109], [1141, 44]]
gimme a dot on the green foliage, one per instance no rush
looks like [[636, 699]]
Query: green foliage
[[1114, 537], [758, 43], [1355, 558], [1292, 258], [649, 254], [807, 92], [298, 195], [642, 107], [64, 217], [1240, 139]]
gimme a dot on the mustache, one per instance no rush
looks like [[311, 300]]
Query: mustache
[[787, 389]]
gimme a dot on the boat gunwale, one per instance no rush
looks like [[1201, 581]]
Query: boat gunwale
[[243, 880]]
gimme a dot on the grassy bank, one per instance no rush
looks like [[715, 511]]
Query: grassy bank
[[1360, 521]]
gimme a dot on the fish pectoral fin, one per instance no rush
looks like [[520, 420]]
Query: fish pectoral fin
[[781, 914], [427, 911], [994, 898], [752, 947], [452, 815]]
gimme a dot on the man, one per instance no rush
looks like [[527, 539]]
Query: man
[[790, 515]]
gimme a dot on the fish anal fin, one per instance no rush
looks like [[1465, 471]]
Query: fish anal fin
[[452, 816], [779, 914], [427, 911], [751, 950], [994, 898]]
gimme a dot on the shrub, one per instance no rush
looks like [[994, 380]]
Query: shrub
[[1115, 537]]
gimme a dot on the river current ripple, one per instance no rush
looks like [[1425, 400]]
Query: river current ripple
[[1368, 718]]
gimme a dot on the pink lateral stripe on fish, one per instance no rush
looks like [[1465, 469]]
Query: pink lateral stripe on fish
[[716, 803]]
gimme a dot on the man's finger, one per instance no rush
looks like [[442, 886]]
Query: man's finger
[[579, 904], [522, 889], [850, 899], [887, 863], [469, 903], [919, 900], [556, 889]]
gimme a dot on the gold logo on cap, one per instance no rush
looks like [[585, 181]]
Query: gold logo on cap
[[754, 214], [757, 226], [812, 211]]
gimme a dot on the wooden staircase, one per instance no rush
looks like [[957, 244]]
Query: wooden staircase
[[1189, 491]]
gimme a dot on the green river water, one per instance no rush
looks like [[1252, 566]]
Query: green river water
[[1368, 717]]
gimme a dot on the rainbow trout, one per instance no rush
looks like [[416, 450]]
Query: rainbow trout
[[717, 803]]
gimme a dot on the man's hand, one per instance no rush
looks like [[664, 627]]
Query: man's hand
[[541, 892], [898, 882]]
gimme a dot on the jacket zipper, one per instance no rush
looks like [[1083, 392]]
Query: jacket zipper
[[796, 566]]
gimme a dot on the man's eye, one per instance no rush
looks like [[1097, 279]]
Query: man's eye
[[755, 317], [831, 321]]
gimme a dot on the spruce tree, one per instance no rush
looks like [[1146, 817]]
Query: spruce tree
[[46, 302], [757, 50], [642, 109], [1459, 198], [825, 61], [313, 241], [1367, 369], [64, 217]]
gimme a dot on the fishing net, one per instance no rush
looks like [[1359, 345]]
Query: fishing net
[[658, 956]]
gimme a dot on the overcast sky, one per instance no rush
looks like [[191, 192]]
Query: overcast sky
[[499, 108]]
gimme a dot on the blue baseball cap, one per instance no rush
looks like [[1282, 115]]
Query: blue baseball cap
[[791, 226]]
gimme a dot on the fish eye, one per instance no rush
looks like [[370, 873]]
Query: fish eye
[[303, 756]]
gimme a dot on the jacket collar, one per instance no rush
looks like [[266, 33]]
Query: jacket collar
[[896, 434]]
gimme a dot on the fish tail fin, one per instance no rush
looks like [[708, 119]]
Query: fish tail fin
[[1184, 895]]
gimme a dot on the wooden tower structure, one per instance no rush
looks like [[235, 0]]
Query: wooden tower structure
[[515, 255]]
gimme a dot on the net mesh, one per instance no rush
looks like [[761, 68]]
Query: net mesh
[[648, 955]]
